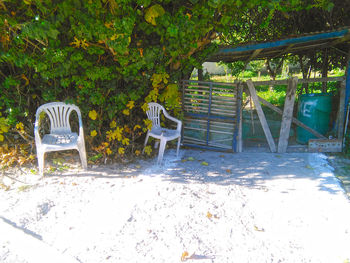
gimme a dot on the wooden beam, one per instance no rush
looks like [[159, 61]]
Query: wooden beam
[[295, 121], [287, 115], [252, 56], [261, 115], [285, 51], [284, 42], [322, 79], [190, 82], [339, 50], [336, 42], [285, 82], [240, 114], [230, 53], [346, 123]]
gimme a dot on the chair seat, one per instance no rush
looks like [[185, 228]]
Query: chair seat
[[168, 134], [53, 142], [60, 139]]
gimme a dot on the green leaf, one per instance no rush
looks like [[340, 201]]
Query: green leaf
[[214, 3], [153, 12], [172, 31], [95, 157], [144, 3], [225, 20], [330, 7], [53, 33]]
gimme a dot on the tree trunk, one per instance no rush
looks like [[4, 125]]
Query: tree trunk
[[304, 71], [271, 72], [200, 74], [325, 70]]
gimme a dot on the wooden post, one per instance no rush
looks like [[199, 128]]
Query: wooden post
[[287, 115], [183, 108], [261, 115], [240, 114], [295, 121]]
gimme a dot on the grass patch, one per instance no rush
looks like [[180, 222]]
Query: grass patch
[[24, 188], [276, 97]]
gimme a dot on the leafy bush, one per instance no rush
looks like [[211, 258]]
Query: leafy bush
[[109, 57], [249, 74], [276, 97]]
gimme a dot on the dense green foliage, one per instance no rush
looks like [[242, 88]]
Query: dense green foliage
[[257, 25], [109, 57]]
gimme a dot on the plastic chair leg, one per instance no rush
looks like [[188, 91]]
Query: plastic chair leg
[[41, 159], [82, 154], [161, 151], [156, 144], [178, 146], [146, 140]]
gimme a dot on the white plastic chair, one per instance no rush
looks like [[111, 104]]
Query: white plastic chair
[[158, 132], [61, 136]]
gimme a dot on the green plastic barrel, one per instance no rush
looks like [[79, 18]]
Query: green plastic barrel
[[314, 111]]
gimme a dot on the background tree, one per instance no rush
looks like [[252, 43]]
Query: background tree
[[260, 24]]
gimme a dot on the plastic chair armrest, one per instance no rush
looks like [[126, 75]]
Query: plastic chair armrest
[[81, 129], [36, 132], [179, 123], [80, 120]]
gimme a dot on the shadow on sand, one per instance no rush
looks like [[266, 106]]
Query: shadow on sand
[[209, 167]]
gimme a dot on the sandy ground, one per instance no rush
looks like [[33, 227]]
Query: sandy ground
[[203, 206]]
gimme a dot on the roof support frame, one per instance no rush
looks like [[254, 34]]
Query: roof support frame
[[277, 48], [252, 56], [284, 42]]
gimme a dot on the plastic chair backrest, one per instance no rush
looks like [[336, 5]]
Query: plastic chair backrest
[[58, 113], [153, 113]]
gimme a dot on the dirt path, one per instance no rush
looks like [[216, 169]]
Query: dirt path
[[217, 207]]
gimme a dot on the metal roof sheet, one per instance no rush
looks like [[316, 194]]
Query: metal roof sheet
[[277, 48]]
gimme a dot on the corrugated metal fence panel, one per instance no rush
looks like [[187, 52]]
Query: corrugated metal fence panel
[[210, 114]]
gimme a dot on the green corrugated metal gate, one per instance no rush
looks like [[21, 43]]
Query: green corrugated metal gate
[[211, 114]]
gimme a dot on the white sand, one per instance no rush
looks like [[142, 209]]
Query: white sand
[[248, 207]]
